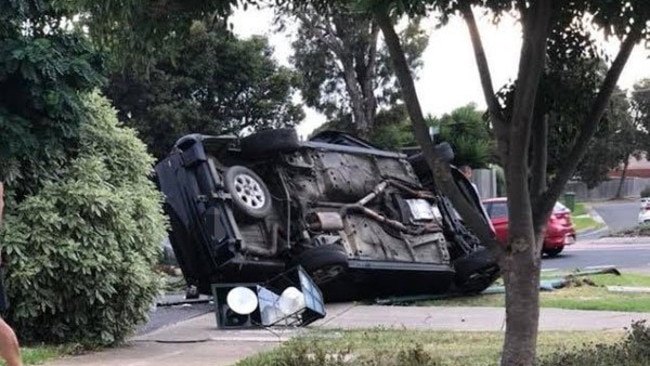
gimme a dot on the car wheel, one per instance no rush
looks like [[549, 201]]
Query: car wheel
[[553, 252], [250, 195], [476, 271], [324, 263], [270, 141]]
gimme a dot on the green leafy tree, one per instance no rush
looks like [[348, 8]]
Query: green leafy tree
[[44, 66], [548, 28], [464, 128], [81, 250], [137, 33], [392, 129], [641, 104], [633, 137], [617, 139], [345, 68], [567, 85], [219, 84], [467, 132]]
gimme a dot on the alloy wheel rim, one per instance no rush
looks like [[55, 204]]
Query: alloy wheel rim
[[249, 191]]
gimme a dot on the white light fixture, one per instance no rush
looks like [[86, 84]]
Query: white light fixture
[[242, 300], [291, 300]]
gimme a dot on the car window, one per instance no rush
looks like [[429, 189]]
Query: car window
[[497, 210]]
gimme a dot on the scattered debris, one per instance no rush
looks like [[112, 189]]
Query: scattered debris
[[608, 269]]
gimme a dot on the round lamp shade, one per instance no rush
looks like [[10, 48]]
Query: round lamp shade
[[242, 300], [291, 300]]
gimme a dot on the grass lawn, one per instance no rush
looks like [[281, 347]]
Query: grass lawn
[[579, 296], [377, 346], [579, 209], [582, 220], [585, 222], [37, 355]]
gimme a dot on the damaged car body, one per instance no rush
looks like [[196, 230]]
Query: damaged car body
[[361, 221]]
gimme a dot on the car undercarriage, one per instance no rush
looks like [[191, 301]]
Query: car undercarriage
[[361, 221]]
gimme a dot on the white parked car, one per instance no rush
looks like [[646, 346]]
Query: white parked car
[[644, 212]]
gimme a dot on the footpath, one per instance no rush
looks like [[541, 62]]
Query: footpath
[[198, 342]]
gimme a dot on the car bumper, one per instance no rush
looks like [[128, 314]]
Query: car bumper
[[559, 241], [644, 217]]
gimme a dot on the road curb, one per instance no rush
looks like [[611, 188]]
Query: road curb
[[594, 215], [597, 218], [592, 231]]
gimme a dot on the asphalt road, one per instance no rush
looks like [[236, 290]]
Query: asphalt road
[[631, 257], [618, 215]]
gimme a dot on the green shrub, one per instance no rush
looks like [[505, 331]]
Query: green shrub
[[81, 249], [645, 192], [633, 351]]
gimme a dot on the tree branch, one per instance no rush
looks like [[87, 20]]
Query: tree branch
[[484, 72], [325, 35], [591, 121], [371, 72], [439, 168], [531, 67]]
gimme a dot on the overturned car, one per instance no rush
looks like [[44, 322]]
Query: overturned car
[[361, 221]]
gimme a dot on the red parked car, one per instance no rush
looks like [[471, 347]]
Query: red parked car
[[559, 228]]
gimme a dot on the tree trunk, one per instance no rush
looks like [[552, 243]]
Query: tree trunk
[[619, 190], [521, 263], [440, 169]]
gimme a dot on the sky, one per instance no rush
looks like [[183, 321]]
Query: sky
[[449, 78]]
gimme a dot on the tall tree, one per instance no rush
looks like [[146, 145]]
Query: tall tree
[[641, 103], [219, 84], [566, 87], [44, 68], [345, 68], [616, 140], [634, 138], [138, 33], [530, 197]]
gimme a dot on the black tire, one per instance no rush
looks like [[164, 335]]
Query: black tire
[[420, 165], [476, 271], [445, 151], [270, 141], [324, 263], [250, 195], [553, 252]]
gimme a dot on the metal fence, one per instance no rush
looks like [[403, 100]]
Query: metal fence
[[486, 182], [632, 187]]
